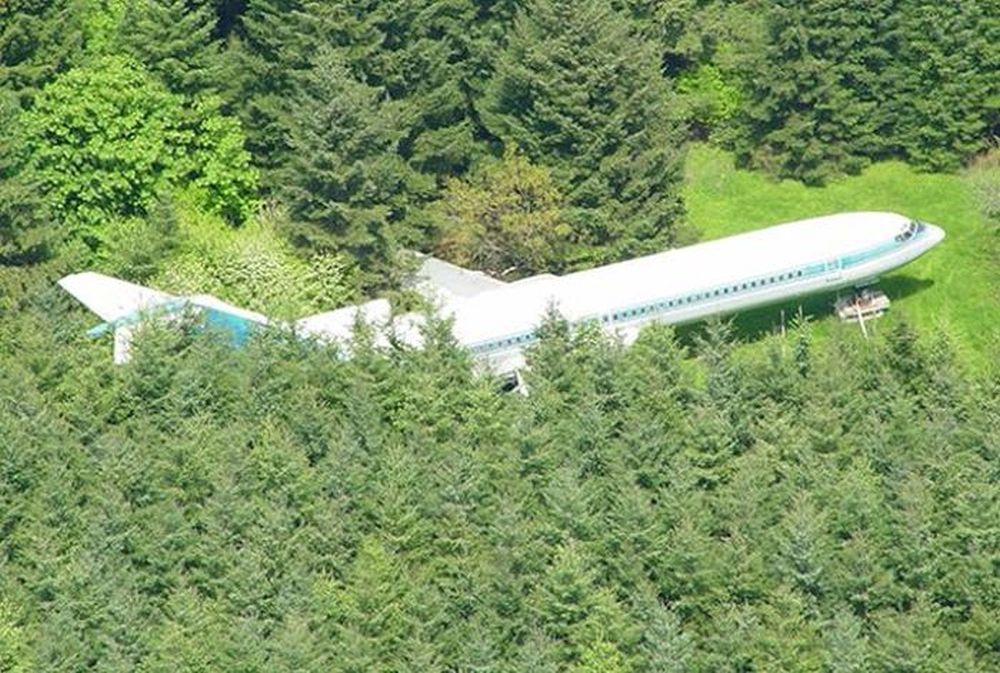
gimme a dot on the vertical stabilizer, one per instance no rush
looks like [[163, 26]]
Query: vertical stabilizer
[[123, 343]]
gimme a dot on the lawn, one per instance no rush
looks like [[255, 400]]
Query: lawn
[[955, 287]]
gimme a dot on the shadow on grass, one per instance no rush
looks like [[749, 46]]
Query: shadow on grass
[[757, 323]]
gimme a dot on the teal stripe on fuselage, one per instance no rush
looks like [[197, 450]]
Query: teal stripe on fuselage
[[670, 304], [238, 328]]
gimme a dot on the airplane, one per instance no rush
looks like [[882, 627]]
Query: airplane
[[496, 321]]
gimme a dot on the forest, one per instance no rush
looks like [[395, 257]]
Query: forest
[[715, 498]]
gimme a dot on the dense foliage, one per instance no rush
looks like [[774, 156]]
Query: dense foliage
[[360, 114], [682, 505], [578, 90], [506, 219], [834, 87], [791, 508], [102, 139]]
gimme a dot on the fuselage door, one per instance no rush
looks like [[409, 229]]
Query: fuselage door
[[832, 271]]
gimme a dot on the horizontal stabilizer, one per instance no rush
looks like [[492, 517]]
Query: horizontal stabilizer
[[437, 279], [111, 298], [339, 324]]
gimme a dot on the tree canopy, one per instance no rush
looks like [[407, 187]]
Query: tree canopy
[[689, 503], [823, 507], [101, 139], [578, 91]]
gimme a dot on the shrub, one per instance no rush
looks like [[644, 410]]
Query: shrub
[[253, 266], [103, 139], [983, 176]]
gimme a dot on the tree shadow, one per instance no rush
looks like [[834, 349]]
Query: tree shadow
[[760, 322]]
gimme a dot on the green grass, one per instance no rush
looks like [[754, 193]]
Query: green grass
[[955, 287]]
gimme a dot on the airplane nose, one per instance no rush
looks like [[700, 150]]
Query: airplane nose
[[937, 235]]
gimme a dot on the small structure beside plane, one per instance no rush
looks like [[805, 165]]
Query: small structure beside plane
[[865, 304], [496, 321]]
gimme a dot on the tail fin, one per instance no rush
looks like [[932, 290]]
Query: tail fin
[[111, 298], [123, 344]]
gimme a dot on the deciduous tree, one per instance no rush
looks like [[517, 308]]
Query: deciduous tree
[[506, 219]]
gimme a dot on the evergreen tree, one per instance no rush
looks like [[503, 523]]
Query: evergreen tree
[[24, 234], [574, 612], [173, 40], [38, 40], [374, 615], [815, 91], [943, 93], [422, 59], [416, 54], [665, 647], [282, 508], [580, 93], [806, 559], [601, 657], [345, 178], [834, 87], [846, 644], [15, 653], [258, 74]]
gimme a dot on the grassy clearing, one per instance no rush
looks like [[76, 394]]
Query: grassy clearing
[[955, 287]]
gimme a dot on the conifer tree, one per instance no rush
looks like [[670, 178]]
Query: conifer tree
[[943, 92], [805, 556], [580, 93], [15, 653], [566, 600], [815, 91], [345, 178], [38, 40], [664, 647], [374, 615], [173, 41], [24, 231], [422, 59], [602, 657], [258, 74], [845, 643]]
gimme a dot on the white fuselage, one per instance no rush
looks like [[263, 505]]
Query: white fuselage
[[497, 321], [686, 284]]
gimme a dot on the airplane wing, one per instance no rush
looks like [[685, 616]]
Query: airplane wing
[[109, 297], [437, 279]]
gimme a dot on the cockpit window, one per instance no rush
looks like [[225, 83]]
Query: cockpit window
[[910, 230]]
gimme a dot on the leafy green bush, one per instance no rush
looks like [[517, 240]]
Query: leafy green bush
[[712, 96], [102, 139], [253, 266]]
